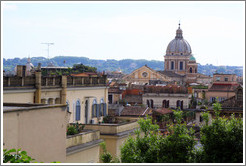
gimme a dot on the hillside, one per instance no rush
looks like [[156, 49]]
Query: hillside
[[125, 65]]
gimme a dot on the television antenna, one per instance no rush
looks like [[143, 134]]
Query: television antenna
[[48, 50]]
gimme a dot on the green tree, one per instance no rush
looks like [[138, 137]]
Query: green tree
[[155, 148], [222, 140], [80, 68]]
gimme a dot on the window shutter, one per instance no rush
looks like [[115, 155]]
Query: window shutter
[[77, 112], [97, 110], [104, 109], [100, 109], [93, 106]]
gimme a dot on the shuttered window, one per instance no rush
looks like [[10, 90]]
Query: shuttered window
[[97, 110], [94, 108], [104, 109], [77, 117]]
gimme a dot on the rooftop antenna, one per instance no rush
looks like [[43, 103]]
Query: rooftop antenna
[[48, 50]]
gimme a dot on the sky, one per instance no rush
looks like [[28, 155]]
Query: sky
[[124, 30]]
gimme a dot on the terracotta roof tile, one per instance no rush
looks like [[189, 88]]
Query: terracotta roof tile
[[163, 110], [223, 87], [135, 111]]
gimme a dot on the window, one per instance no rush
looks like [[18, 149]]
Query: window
[[144, 74], [86, 111], [226, 79], [165, 103], [94, 108], [190, 70], [172, 65], [212, 99], [178, 104], [181, 66], [67, 106], [151, 103], [148, 103], [217, 78], [77, 114], [101, 107]]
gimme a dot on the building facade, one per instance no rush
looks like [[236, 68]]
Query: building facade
[[223, 87], [86, 97]]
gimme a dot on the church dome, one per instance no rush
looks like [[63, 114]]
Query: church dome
[[178, 46], [192, 58]]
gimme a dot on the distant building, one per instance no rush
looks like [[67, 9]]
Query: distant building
[[170, 96], [180, 66], [223, 87], [145, 74], [180, 60]]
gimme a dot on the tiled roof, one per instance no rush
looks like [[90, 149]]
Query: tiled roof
[[133, 98], [170, 74], [199, 75], [165, 89], [135, 111], [163, 110], [223, 87], [114, 90], [84, 74]]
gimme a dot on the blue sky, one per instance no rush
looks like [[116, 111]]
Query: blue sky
[[123, 30]]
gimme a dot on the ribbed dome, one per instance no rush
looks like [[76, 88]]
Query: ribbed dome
[[178, 46]]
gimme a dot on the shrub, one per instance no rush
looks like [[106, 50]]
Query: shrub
[[71, 130]]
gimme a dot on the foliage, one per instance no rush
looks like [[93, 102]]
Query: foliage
[[80, 68], [75, 128], [106, 157], [152, 147], [199, 87], [16, 156], [71, 130], [222, 140]]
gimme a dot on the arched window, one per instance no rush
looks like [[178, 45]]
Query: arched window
[[67, 102], [77, 114], [148, 103], [164, 103], [86, 111], [190, 70], [101, 107], [195, 70], [178, 104], [181, 107], [180, 65], [151, 103], [172, 65], [167, 104], [94, 108]]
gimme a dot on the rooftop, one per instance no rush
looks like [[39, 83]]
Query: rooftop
[[135, 111]]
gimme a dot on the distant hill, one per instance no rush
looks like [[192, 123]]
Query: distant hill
[[125, 65]]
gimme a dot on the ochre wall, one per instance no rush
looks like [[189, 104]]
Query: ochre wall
[[17, 97], [40, 132], [90, 155]]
